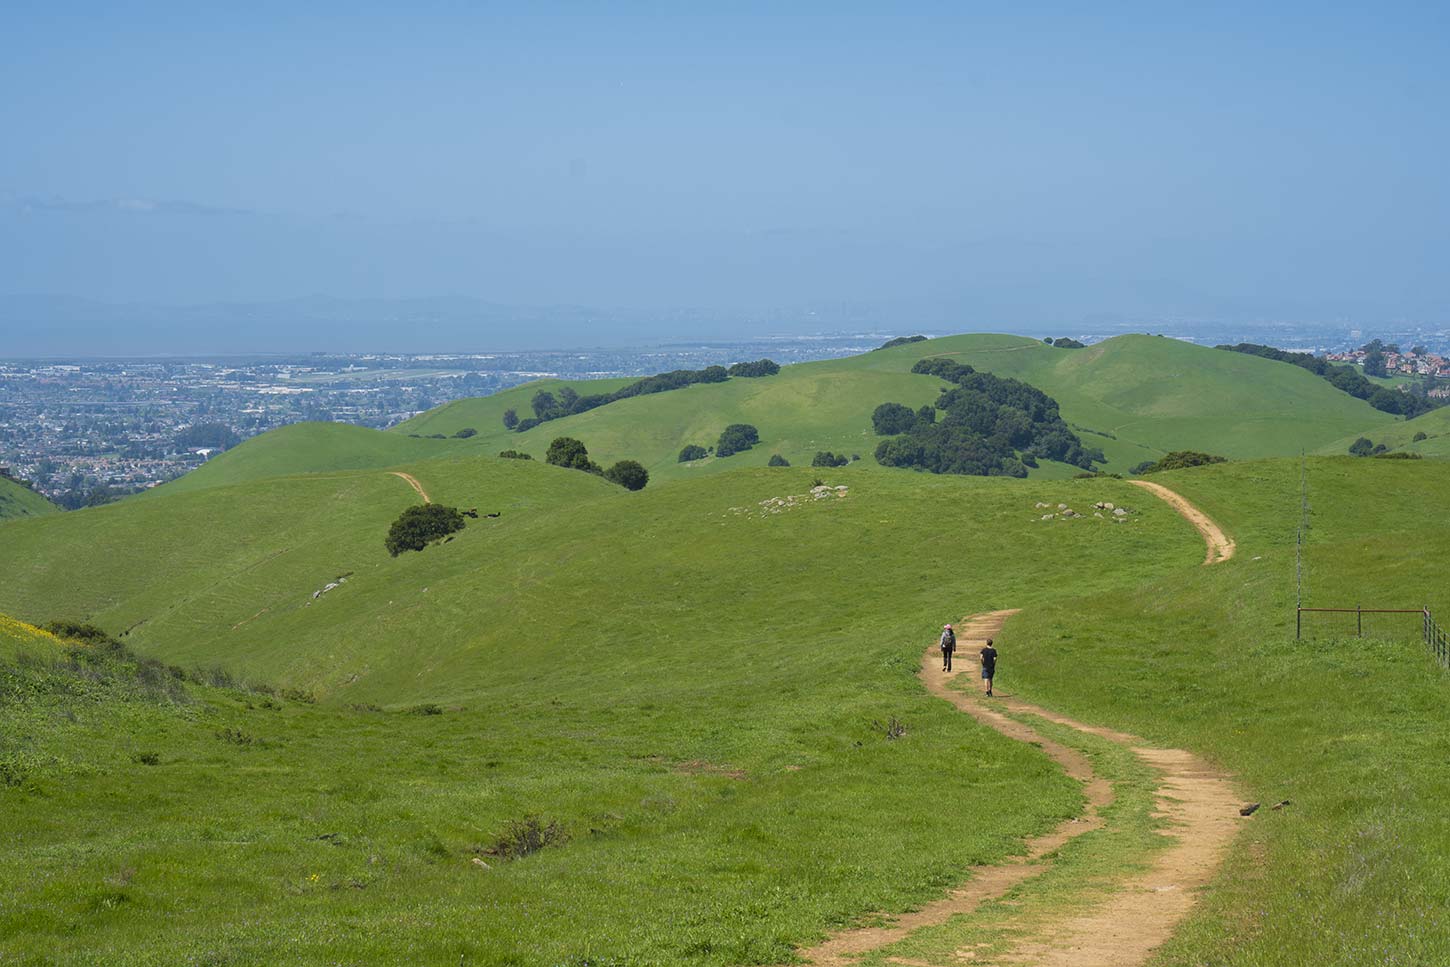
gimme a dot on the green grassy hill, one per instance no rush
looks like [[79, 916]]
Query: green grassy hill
[[1401, 436], [691, 685], [687, 681], [1135, 397], [690, 681], [18, 501]]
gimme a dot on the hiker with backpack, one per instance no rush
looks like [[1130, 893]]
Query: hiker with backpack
[[948, 645]]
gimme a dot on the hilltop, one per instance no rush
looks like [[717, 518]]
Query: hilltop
[[1134, 397]]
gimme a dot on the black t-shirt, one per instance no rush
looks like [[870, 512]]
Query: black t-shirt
[[989, 658]]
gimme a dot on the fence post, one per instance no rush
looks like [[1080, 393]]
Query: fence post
[[1298, 622], [1359, 621]]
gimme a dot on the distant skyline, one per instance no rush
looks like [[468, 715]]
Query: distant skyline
[[948, 166]]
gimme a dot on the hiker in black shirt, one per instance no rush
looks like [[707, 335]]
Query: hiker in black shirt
[[989, 665], [948, 645]]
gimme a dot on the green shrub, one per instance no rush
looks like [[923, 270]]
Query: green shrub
[[761, 367], [465, 433], [889, 419], [418, 526], [1178, 460], [1422, 435], [1362, 447], [825, 458], [776, 460], [1062, 342], [510, 418], [566, 451], [1399, 455], [629, 474], [736, 438], [693, 451], [901, 341], [426, 708], [514, 455]]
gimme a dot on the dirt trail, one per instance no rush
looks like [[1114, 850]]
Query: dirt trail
[[413, 482], [1142, 911], [1220, 546]]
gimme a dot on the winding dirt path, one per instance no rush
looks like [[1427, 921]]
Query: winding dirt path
[[1221, 547], [413, 482], [1142, 911]]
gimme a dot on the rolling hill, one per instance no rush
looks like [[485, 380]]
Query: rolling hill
[[683, 725], [1134, 397]]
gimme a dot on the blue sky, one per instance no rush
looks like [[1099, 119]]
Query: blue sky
[[992, 164]]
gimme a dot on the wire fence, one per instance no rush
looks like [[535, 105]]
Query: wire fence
[[1349, 621]]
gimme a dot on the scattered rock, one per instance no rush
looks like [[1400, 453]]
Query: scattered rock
[[1249, 810], [478, 861], [1098, 514], [1047, 516], [1282, 804], [1039, 505], [1120, 512], [1062, 506]]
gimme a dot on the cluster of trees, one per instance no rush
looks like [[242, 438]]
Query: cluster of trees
[[901, 341], [465, 433], [693, 451], [1348, 379], [992, 426], [1177, 460], [568, 452], [825, 458], [736, 438], [1063, 342], [420, 525], [201, 436], [515, 455], [567, 401], [1365, 447], [776, 460], [761, 367]]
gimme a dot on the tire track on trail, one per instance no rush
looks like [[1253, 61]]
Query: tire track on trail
[[1141, 912], [412, 481]]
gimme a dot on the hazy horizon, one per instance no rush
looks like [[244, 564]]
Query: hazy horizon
[[687, 173]]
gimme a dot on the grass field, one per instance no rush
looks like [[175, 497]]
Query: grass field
[[1354, 732], [710, 746], [1135, 397], [693, 683], [18, 501]]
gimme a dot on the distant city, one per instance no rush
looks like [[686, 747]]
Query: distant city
[[87, 431]]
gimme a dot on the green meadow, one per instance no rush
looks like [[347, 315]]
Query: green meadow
[[694, 689], [656, 727]]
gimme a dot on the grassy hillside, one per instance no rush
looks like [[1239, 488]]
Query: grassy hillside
[[1353, 732], [1401, 436], [18, 501], [307, 448], [1135, 397], [689, 683]]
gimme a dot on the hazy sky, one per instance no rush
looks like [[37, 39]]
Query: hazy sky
[[996, 164]]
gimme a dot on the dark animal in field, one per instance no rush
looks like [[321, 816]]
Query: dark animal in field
[[495, 514], [471, 512], [1249, 810]]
